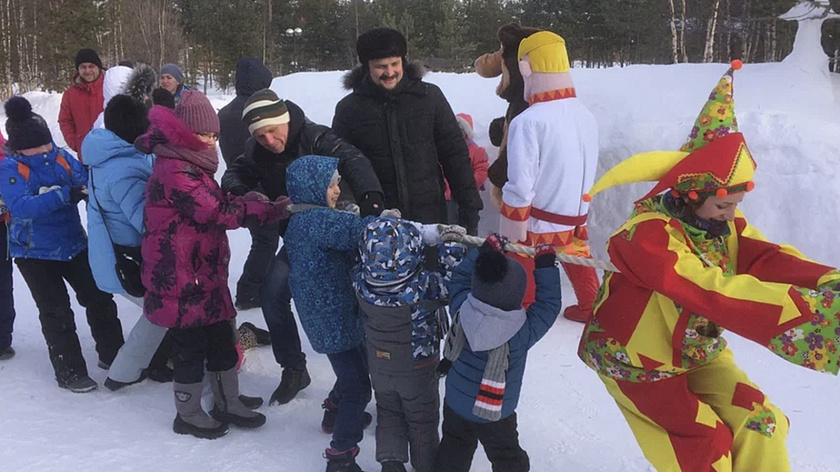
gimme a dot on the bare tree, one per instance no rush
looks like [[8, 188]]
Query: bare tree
[[709, 50], [683, 53], [673, 24]]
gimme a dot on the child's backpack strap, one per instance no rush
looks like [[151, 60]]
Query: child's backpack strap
[[63, 163], [24, 170]]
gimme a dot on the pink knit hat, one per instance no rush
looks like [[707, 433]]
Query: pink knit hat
[[195, 111]]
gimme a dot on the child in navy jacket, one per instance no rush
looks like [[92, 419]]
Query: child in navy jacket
[[487, 348]]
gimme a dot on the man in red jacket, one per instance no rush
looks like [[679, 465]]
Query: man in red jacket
[[83, 101]]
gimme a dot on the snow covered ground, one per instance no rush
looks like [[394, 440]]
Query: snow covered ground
[[567, 421]]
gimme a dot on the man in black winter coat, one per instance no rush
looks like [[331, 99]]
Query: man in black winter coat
[[251, 76], [408, 131], [280, 134]]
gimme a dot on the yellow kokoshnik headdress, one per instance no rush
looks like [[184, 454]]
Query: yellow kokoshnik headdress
[[714, 161]]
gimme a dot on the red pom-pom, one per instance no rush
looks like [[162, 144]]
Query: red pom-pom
[[737, 64], [750, 186], [693, 195], [675, 193], [721, 193], [586, 198]]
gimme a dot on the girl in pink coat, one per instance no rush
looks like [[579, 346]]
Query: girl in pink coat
[[185, 261]]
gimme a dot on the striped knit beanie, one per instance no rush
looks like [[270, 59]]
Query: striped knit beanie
[[264, 108]]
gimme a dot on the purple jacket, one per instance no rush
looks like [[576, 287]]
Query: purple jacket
[[185, 247]]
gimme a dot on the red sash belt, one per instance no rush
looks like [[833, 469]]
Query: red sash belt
[[558, 219]]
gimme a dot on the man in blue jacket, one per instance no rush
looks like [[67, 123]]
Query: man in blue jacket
[[42, 185], [486, 350]]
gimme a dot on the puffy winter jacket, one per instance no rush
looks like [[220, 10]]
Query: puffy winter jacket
[[402, 301], [479, 163], [322, 244], [251, 75], [409, 136], [465, 375], [80, 106], [185, 247], [260, 166], [43, 225], [118, 176]]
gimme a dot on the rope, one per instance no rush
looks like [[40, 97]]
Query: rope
[[529, 251], [510, 247]]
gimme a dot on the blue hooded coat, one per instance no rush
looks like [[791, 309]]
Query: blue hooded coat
[[43, 226], [322, 245], [119, 173]]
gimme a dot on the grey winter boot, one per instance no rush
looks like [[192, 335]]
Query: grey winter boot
[[191, 418], [228, 407]]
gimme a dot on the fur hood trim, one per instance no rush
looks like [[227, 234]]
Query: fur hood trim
[[143, 79], [356, 77]]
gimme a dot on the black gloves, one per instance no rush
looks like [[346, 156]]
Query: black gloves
[[372, 204], [545, 255], [78, 193], [497, 131]]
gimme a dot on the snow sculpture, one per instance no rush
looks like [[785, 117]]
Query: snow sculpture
[[807, 53]]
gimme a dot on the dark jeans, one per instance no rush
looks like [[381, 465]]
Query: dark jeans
[[7, 300], [46, 283], [276, 300], [460, 439], [264, 242], [353, 386], [191, 347]]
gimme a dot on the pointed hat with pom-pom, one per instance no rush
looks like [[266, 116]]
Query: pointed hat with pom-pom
[[713, 161]]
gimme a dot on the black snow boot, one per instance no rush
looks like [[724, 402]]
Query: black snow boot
[[330, 413], [114, 385], [7, 354], [78, 384], [393, 466], [228, 408], [292, 382], [191, 418], [342, 461]]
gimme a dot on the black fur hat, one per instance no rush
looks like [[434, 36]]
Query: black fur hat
[[26, 129], [126, 117], [380, 42]]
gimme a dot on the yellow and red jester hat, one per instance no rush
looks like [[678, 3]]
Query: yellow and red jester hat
[[678, 286]]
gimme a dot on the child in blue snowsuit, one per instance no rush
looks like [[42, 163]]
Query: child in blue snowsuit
[[485, 353], [405, 308], [322, 245], [42, 185]]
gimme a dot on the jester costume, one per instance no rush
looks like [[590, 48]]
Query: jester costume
[[655, 336]]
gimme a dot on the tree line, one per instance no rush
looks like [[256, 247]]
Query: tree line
[[206, 37]]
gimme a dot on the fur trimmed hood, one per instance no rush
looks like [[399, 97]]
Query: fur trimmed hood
[[141, 83], [359, 77]]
